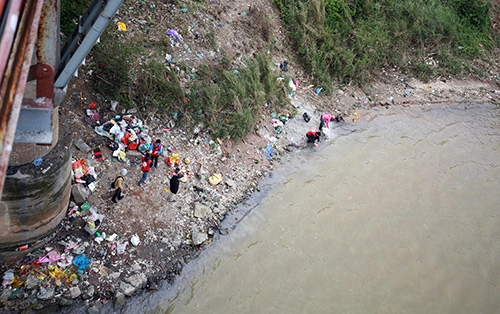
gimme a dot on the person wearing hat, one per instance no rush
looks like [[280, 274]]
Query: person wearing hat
[[118, 186]]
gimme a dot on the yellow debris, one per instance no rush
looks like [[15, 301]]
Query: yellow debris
[[121, 26]]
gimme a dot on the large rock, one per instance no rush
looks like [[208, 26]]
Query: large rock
[[89, 293], [31, 282], [81, 145], [137, 280], [65, 302], [119, 301], [230, 183], [127, 289], [200, 210], [135, 267], [74, 292], [46, 294], [6, 293], [199, 237]]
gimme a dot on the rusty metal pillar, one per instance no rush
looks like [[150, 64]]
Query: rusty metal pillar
[[36, 125], [36, 195], [20, 20]]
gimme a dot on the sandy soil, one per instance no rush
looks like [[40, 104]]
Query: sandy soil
[[173, 233]]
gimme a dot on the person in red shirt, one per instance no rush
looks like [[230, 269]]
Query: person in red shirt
[[156, 150], [146, 166], [313, 136]]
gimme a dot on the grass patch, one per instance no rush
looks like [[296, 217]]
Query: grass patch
[[112, 75], [70, 12], [227, 99], [352, 40], [232, 101]]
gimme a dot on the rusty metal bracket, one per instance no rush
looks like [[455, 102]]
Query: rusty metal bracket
[[35, 118]]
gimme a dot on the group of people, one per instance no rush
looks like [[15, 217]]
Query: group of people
[[314, 136], [149, 159]]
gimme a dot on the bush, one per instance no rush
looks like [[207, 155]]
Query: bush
[[232, 101]]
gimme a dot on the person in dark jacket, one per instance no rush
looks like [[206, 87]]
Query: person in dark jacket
[[174, 181], [118, 186]]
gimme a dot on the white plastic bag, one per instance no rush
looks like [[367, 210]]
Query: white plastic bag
[[135, 240], [120, 247]]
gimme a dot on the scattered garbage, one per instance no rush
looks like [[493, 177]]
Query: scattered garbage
[[120, 247], [50, 257], [81, 262], [93, 220], [81, 145], [173, 160], [306, 117], [8, 276], [85, 206], [318, 90], [215, 179], [121, 26], [174, 34], [135, 240], [284, 66], [113, 105], [38, 162], [269, 151]]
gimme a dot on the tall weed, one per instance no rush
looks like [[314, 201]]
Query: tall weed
[[353, 40]]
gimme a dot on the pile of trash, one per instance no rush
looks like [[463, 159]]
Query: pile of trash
[[83, 173], [125, 133], [42, 273], [61, 271]]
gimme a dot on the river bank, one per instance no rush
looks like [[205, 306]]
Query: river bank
[[146, 239], [171, 234]]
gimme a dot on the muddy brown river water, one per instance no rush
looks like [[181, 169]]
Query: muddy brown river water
[[397, 213]]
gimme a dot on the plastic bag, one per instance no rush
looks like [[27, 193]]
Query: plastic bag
[[81, 261], [8, 277], [135, 240], [120, 247]]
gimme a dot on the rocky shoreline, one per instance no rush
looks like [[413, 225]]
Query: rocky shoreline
[[163, 236], [171, 234]]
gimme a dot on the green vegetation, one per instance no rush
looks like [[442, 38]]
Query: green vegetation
[[229, 102], [226, 99], [112, 74], [70, 12], [351, 40], [338, 41]]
